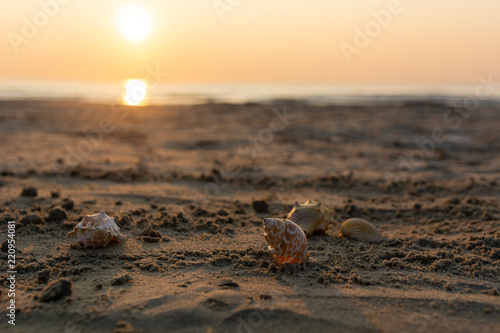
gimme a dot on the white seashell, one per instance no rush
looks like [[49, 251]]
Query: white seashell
[[360, 229], [311, 216], [96, 230], [287, 241]]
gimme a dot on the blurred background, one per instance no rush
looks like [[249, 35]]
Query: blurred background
[[183, 51]]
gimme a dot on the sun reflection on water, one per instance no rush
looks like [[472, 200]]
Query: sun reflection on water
[[135, 93]]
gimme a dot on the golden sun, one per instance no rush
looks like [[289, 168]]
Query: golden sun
[[135, 23]]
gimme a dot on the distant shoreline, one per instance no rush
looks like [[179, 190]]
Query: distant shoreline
[[313, 94]]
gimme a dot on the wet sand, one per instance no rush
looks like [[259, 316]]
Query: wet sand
[[181, 182]]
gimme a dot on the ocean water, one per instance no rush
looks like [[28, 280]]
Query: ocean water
[[244, 93]]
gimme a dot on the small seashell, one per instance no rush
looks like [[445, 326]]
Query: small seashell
[[311, 216], [360, 229], [287, 241], [96, 230]]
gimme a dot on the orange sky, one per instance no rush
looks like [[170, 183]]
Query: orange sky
[[282, 41]]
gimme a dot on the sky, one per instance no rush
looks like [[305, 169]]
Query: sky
[[252, 41]]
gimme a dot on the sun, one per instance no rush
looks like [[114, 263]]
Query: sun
[[135, 23]]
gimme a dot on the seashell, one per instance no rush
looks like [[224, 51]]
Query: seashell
[[360, 229], [287, 241], [96, 230], [311, 216]]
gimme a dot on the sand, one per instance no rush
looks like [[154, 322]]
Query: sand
[[189, 187]]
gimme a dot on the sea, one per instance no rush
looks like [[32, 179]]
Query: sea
[[318, 94]]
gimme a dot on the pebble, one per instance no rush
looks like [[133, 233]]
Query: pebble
[[260, 206], [56, 290], [57, 215], [29, 192]]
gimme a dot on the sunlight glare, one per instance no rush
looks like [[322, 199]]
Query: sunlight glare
[[135, 92], [135, 23]]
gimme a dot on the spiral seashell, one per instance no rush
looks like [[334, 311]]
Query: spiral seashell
[[360, 229], [311, 216], [287, 241], [96, 230]]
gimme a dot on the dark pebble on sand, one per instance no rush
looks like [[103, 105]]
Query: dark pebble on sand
[[260, 206], [57, 215], [56, 290], [122, 279], [29, 192], [68, 204], [240, 211], [200, 212], [31, 219], [99, 286], [229, 284], [43, 276], [55, 194], [222, 212], [265, 297]]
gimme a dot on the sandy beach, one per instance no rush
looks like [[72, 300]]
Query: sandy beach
[[190, 185]]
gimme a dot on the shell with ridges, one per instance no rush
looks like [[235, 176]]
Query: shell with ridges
[[360, 229], [96, 230], [287, 241], [311, 216]]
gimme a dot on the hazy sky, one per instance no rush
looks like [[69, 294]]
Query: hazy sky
[[282, 41]]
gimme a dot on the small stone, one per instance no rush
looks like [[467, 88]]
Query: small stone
[[43, 276], [228, 284], [222, 212], [122, 279], [99, 286], [29, 192], [68, 204], [31, 219], [57, 215], [56, 290], [55, 194], [265, 297], [260, 206]]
